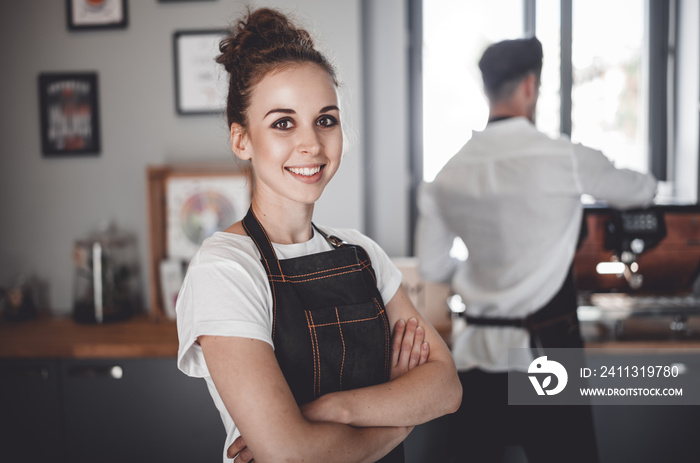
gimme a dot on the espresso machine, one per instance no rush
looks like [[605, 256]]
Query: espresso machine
[[637, 270]]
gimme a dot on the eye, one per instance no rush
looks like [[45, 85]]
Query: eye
[[327, 121], [283, 124]]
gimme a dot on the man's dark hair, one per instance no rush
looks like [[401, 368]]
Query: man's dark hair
[[504, 64]]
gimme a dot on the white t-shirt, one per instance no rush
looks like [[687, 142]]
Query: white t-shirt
[[512, 194], [226, 293]]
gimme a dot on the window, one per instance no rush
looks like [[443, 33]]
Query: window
[[455, 33], [602, 44]]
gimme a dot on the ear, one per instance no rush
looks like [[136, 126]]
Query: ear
[[530, 82], [240, 142]]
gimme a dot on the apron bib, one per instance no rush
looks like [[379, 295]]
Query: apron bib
[[330, 328]]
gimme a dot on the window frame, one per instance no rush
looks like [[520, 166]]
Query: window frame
[[662, 18]]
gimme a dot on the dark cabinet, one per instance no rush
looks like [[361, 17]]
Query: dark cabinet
[[106, 410], [31, 427]]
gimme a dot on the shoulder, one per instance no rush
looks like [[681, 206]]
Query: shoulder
[[223, 248], [227, 257]]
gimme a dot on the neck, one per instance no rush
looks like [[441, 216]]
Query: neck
[[508, 109], [284, 224]]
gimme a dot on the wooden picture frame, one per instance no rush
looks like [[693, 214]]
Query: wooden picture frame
[[203, 182], [96, 14], [69, 113], [201, 84]]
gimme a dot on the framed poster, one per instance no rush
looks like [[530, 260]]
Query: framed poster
[[96, 14], [69, 113], [199, 205], [201, 83]]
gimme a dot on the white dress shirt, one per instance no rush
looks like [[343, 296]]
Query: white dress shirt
[[512, 194]]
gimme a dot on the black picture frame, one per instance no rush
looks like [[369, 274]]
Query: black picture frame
[[69, 114], [96, 14], [200, 83]]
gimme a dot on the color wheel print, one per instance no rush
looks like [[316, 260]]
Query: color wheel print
[[205, 213]]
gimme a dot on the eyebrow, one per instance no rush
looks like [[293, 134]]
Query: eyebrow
[[291, 111]]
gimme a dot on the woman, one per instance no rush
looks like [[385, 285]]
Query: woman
[[286, 320]]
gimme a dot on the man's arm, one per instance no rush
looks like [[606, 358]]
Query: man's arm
[[433, 239], [620, 188]]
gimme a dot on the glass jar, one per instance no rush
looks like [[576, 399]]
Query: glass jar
[[106, 285]]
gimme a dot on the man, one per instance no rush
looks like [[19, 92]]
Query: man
[[512, 195]]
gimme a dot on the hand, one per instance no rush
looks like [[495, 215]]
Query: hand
[[239, 447], [407, 347]]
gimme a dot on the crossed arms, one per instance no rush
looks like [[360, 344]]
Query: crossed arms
[[349, 426]]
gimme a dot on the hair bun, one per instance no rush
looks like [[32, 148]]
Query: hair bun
[[260, 33], [263, 40]]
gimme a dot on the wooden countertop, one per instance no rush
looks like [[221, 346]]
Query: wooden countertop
[[141, 336], [53, 337]]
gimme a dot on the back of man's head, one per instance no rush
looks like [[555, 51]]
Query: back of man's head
[[504, 64]]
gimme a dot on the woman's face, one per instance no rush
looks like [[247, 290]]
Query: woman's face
[[294, 139]]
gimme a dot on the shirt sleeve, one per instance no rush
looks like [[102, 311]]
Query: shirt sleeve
[[620, 188], [433, 239], [220, 299]]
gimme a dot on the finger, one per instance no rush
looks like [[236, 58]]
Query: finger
[[396, 340], [407, 344], [424, 353], [416, 347], [244, 456], [236, 446]]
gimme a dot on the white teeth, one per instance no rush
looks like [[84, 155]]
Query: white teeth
[[306, 171]]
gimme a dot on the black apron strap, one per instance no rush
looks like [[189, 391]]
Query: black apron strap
[[255, 230]]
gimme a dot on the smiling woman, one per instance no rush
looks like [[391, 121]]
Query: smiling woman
[[290, 324]]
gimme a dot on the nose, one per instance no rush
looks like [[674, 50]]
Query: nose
[[308, 141]]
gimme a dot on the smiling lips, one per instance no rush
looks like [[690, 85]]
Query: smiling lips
[[307, 172]]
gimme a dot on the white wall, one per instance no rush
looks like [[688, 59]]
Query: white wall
[[46, 204], [688, 112], [386, 124]]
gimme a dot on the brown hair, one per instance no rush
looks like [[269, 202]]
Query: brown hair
[[505, 64], [264, 40]]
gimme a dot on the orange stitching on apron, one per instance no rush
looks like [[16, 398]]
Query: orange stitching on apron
[[274, 309], [270, 242], [342, 340], [346, 322], [272, 277], [368, 264], [321, 271], [387, 331], [315, 348]]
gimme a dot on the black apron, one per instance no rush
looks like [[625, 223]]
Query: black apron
[[330, 329], [555, 325], [547, 433]]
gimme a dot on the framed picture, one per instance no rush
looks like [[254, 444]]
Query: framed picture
[[199, 205], [69, 113], [96, 14], [200, 82]]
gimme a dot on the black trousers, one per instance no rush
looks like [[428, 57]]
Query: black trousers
[[485, 424]]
